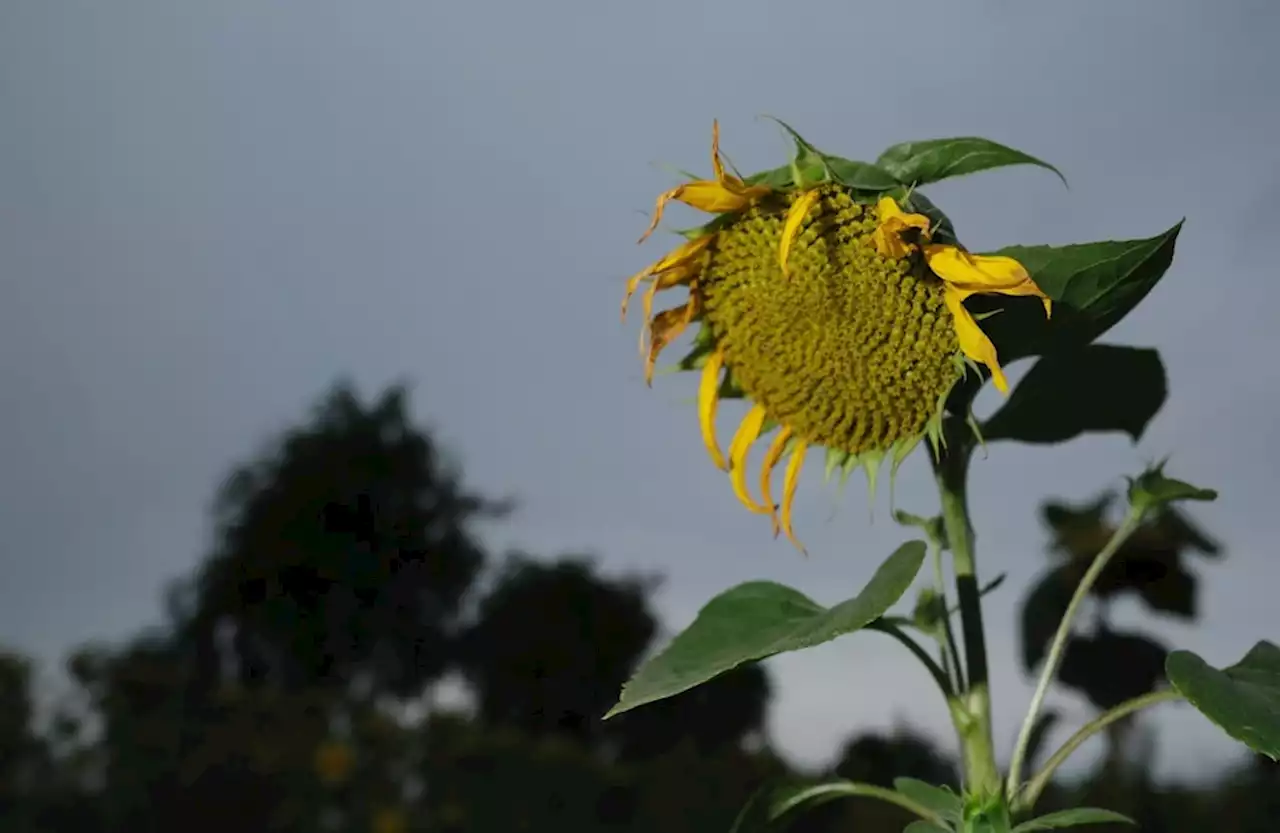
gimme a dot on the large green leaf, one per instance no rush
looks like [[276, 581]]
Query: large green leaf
[[759, 619], [1098, 387], [932, 160], [1244, 699], [1072, 818], [1093, 285]]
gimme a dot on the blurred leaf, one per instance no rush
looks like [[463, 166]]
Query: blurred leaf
[[1112, 667], [1243, 699], [1152, 489], [760, 619], [933, 160], [1042, 610], [1072, 818], [1173, 593], [942, 801], [1099, 387], [1093, 285], [924, 827], [768, 806], [1040, 730], [771, 804]]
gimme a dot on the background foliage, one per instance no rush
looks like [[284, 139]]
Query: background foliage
[[346, 588]]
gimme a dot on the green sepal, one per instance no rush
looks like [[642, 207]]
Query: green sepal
[[810, 165]]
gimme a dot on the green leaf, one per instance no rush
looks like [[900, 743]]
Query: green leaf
[[1072, 818], [1243, 700], [933, 160], [760, 619], [862, 176], [1096, 388], [943, 230], [945, 803], [768, 806], [772, 804], [1093, 285], [924, 827], [1152, 489]]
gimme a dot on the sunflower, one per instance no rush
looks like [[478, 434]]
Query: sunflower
[[835, 313]]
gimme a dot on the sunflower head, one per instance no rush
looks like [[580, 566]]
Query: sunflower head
[[832, 311]]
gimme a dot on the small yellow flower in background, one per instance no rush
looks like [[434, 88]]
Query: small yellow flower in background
[[841, 322], [389, 820], [333, 762]]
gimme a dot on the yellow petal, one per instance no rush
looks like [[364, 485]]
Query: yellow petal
[[795, 218], [716, 164], [682, 256], [666, 327], [973, 341], [789, 489], [893, 222], [708, 398], [980, 273], [716, 196], [748, 432], [771, 458]]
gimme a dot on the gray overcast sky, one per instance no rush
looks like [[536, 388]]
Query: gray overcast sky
[[208, 211]]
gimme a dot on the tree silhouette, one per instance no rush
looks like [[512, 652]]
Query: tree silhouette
[[344, 554], [553, 643]]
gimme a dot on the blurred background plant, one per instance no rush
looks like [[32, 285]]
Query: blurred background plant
[[348, 658]]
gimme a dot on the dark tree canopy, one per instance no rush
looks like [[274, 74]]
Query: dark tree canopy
[[553, 643], [344, 552]]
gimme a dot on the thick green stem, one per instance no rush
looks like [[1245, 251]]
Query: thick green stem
[[1031, 793], [973, 719], [1056, 650]]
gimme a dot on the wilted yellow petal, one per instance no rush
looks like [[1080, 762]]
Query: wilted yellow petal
[[980, 273], [723, 194], [893, 222], [795, 218], [771, 458], [789, 489], [973, 341], [748, 432], [708, 398], [682, 257], [665, 328]]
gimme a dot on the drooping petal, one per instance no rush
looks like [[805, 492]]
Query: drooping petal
[[708, 398], [981, 273], [893, 222], [789, 489], [665, 328], [723, 194], [795, 218], [682, 257], [748, 432], [973, 341], [771, 458]]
